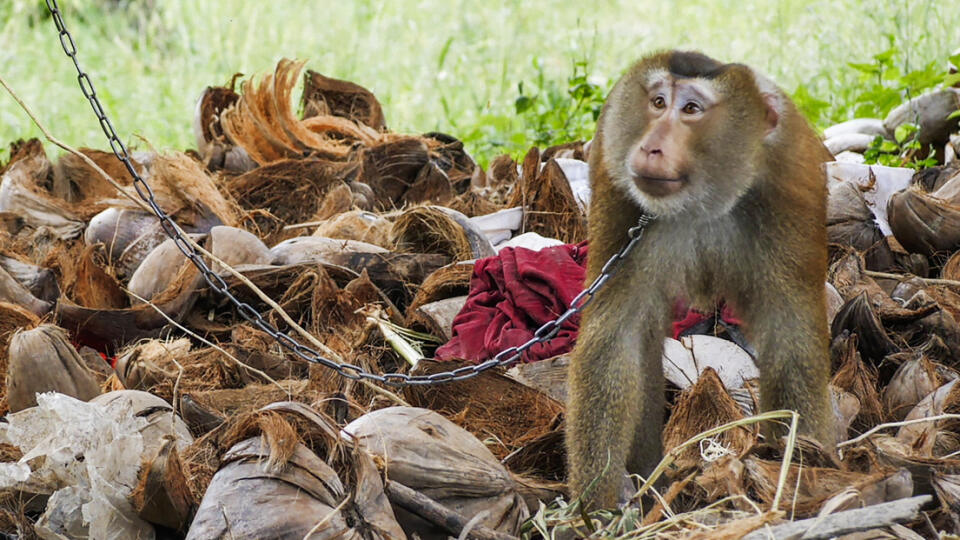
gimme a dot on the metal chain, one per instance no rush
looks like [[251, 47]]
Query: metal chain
[[217, 283]]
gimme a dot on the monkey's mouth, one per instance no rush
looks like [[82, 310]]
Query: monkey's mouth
[[659, 186]]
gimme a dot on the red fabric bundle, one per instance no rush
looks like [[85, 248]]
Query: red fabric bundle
[[511, 295], [517, 291]]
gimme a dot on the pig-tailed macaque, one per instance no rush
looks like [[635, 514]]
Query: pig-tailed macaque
[[733, 174]]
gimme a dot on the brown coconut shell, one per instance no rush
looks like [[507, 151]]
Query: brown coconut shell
[[22, 193], [849, 220], [858, 316], [43, 360], [357, 225], [927, 222], [934, 439], [704, 406], [390, 168]]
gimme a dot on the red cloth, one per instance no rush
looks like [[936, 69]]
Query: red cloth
[[517, 291], [511, 295]]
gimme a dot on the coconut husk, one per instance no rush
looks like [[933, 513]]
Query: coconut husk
[[704, 406], [474, 203], [185, 190], [426, 452], [847, 275], [934, 439], [162, 495], [435, 229], [357, 225], [445, 282], [449, 154], [150, 362], [913, 381], [23, 194], [231, 402], [929, 111], [76, 182], [43, 360], [110, 329], [12, 319], [436, 318], [14, 292], [849, 220], [927, 222], [216, 150], [859, 317], [859, 379], [325, 96], [390, 168], [431, 185], [570, 150], [126, 237], [290, 189], [550, 207], [236, 247], [337, 200], [86, 283], [808, 488], [489, 404]]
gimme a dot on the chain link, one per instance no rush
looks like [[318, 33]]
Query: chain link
[[217, 283]]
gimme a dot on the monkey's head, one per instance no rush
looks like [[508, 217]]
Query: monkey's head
[[683, 133]]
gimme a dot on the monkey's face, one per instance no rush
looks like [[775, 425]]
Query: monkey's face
[[684, 144]]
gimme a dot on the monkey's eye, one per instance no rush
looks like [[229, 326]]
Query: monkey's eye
[[692, 108], [659, 102]]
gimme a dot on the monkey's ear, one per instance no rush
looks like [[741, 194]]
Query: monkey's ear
[[772, 117]]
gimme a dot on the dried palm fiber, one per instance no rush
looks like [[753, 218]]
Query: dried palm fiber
[[185, 190], [43, 360], [913, 380], [23, 193], [807, 494], [391, 167], [84, 281], [76, 182], [214, 147], [435, 229], [263, 123], [704, 406], [291, 190], [550, 207], [450, 156], [489, 404], [445, 282], [859, 379], [325, 96], [474, 203], [357, 225], [12, 319], [934, 439]]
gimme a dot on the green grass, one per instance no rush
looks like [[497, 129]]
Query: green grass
[[448, 65]]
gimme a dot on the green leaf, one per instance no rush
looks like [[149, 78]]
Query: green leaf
[[905, 130], [954, 114]]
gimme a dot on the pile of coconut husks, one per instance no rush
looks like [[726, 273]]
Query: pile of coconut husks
[[140, 403]]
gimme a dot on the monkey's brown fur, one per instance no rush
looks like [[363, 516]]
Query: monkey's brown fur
[[754, 235]]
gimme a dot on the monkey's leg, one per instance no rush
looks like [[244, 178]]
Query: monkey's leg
[[616, 396], [788, 325]]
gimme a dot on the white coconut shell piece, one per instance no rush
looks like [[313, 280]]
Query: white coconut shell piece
[[430, 454], [236, 246], [43, 360], [848, 142], [930, 112], [316, 249], [850, 157], [500, 225], [880, 183], [127, 235], [20, 196], [685, 360], [865, 126]]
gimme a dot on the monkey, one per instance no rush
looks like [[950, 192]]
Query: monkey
[[732, 174]]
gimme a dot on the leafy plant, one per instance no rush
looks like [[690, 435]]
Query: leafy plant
[[901, 152], [553, 114]]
